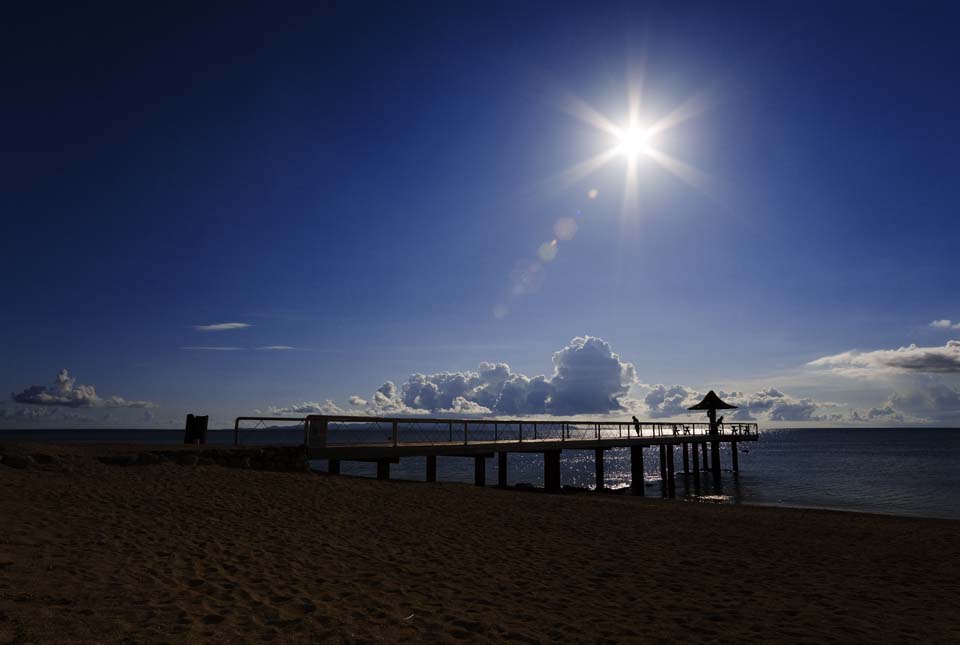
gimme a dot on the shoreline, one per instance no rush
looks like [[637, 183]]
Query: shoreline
[[94, 552], [107, 450]]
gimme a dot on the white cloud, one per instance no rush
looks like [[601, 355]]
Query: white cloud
[[65, 392], [936, 402], [774, 405], [309, 407], [222, 326], [770, 404], [909, 359], [276, 348], [945, 324], [670, 400]]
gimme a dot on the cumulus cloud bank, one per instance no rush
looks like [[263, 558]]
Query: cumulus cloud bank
[[936, 360], [588, 377], [673, 400], [65, 392]]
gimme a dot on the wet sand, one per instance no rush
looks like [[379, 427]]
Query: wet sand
[[91, 552]]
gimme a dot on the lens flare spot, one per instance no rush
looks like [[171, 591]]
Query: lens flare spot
[[565, 228], [526, 277], [592, 193], [547, 251], [500, 311]]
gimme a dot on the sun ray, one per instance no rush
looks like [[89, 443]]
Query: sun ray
[[688, 174], [580, 109], [581, 170], [694, 106]]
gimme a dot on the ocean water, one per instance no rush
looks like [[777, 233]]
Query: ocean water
[[899, 471]]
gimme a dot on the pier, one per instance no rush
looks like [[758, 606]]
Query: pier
[[385, 440]]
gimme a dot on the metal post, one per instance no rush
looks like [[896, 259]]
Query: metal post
[[450, 428], [663, 463], [395, 432], [520, 432], [465, 433], [496, 433]]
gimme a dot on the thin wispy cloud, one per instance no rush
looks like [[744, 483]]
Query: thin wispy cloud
[[279, 348], [213, 349], [222, 326], [909, 359]]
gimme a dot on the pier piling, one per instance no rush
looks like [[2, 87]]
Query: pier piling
[[333, 466], [696, 467], [480, 470], [551, 471], [598, 464], [686, 459], [383, 469], [734, 456], [431, 468], [502, 469], [636, 470], [663, 462], [671, 479]]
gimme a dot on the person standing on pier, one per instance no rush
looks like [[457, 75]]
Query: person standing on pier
[[636, 424]]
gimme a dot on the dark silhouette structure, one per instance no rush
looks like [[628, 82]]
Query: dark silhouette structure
[[711, 403], [385, 440], [195, 430]]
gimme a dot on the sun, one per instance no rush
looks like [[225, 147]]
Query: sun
[[633, 141], [636, 140]]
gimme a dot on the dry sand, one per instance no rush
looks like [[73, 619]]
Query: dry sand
[[166, 553]]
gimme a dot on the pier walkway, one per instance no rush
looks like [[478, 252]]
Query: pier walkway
[[384, 440]]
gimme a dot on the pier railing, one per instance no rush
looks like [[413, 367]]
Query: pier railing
[[348, 430]]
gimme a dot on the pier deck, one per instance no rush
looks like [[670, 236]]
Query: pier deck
[[385, 440]]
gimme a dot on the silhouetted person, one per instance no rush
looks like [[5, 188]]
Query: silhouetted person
[[636, 425], [719, 423]]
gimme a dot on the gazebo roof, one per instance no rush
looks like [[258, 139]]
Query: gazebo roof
[[712, 402]]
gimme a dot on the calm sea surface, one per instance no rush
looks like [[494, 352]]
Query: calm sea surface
[[913, 471]]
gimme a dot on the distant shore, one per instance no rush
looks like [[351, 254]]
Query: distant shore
[[103, 552]]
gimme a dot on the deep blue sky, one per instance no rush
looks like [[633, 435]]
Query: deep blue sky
[[361, 180]]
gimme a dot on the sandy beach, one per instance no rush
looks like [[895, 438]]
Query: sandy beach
[[95, 552]]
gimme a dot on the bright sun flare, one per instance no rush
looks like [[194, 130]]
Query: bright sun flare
[[637, 139], [633, 141]]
